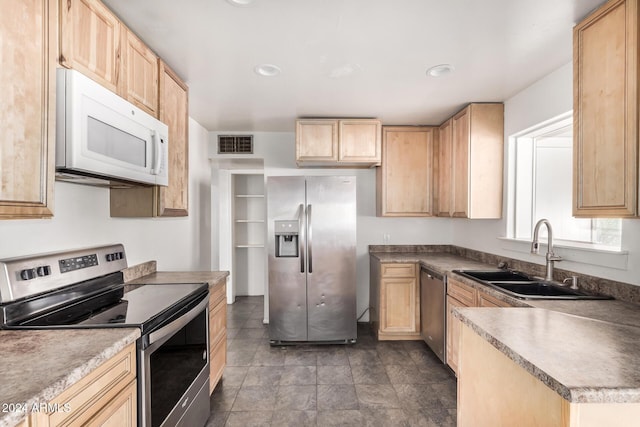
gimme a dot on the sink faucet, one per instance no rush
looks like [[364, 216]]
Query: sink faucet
[[535, 247]]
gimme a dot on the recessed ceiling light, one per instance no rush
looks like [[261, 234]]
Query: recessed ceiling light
[[240, 3], [440, 70], [267, 70]]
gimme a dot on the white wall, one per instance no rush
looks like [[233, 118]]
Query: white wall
[[278, 152], [81, 218], [546, 99]]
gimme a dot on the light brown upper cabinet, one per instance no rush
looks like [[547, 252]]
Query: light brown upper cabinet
[[476, 168], [445, 179], [27, 163], [140, 68], [334, 142], [172, 200], [605, 87], [404, 180], [90, 41], [94, 42]]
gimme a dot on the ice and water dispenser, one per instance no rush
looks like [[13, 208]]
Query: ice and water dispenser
[[287, 235]]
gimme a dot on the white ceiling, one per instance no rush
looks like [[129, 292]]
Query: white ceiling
[[498, 47]]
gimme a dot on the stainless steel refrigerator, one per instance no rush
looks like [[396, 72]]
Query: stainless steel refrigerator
[[312, 258]]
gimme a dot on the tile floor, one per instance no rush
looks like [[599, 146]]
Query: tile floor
[[370, 383]]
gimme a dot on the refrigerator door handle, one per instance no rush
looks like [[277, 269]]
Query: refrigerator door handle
[[301, 226], [309, 239]]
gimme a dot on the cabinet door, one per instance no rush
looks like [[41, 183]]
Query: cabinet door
[[477, 166], [405, 177], [218, 362], [445, 177], [460, 169], [486, 152], [90, 41], [605, 47], [316, 140], [359, 141], [27, 111], [399, 302], [453, 333], [173, 200], [140, 66]]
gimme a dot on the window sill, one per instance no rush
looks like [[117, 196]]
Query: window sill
[[590, 256]]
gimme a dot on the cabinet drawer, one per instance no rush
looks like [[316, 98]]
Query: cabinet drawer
[[463, 293], [217, 322], [398, 270], [485, 300], [120, 411], [218, 361], [92, 393]]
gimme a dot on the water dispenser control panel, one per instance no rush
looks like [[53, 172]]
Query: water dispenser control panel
[[287, 235]]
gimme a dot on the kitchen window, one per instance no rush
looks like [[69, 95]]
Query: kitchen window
[[541, 174]]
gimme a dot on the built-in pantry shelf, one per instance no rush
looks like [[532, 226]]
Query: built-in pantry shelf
[[249, 213]]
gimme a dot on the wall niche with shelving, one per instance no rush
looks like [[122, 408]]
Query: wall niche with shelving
[[249, 212]]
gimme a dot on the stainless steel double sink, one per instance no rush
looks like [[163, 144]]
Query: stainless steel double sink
[[520, 285]]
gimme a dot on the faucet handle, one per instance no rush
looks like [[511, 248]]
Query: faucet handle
[[574, 282], [553, 257]]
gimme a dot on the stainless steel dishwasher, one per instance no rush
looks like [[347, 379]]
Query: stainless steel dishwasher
[[433, 294]]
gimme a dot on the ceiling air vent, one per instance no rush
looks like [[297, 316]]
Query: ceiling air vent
[[235, 144]]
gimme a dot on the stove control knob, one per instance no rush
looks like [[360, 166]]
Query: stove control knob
[[43, 270], [109, 257], [28, 273]]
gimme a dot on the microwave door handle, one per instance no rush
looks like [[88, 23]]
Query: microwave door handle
[[157, 153]]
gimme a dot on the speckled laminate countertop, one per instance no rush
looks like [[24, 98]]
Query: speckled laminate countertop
[[213, 278], [583, 360], [441, 262], [37, 365], [586, 350], [614, 311]]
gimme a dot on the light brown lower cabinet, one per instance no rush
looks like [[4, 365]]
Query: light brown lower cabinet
[[105, 397], [462, 295], [217, 334], [453, 333], [396, 303], [495, 391]]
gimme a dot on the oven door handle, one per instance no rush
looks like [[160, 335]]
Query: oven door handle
[[177, 324]]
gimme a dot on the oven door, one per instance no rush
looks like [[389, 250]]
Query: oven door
[[174, 370]]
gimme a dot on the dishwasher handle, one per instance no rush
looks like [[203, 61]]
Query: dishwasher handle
[[431, 274]]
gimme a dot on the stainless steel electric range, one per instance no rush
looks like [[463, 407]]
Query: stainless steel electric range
[[85, 289]]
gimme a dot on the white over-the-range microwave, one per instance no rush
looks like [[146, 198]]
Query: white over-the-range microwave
[[103, 139]]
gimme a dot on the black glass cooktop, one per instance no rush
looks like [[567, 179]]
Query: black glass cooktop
[[145, 306]]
